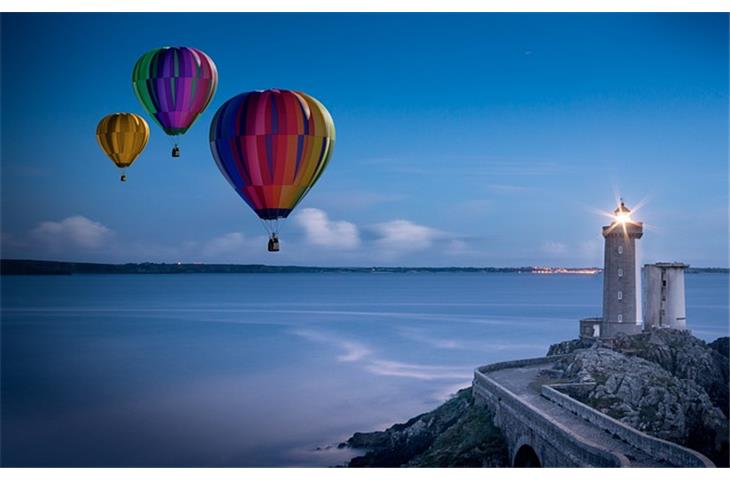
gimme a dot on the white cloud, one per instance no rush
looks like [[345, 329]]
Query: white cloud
[[404, 236], [322, 231], [75, 231]]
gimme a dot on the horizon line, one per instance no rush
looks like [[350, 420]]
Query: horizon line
[[361, 267]]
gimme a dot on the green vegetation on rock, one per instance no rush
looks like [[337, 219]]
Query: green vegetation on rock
[[456, 434]]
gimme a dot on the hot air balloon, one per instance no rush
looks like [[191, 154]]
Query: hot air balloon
[[122, 136], [174, 85], [272, 146]]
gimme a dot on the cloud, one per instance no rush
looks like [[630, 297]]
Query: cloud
[[404, 236], [322, 231], [75, 231]]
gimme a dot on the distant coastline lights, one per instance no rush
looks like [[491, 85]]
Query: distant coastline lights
[[564, 271]]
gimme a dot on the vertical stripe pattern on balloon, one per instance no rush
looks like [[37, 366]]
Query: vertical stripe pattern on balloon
[[175, 85], [272, 146], [122, 136]]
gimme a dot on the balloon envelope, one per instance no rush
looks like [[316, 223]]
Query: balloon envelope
[[122, 136], [174, 85], [272, 146]]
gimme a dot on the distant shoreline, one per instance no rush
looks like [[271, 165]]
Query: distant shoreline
[[45, 267]]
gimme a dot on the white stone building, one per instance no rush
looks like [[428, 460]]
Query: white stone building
[[663, 294]]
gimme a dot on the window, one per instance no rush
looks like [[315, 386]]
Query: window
[[620, 317], [664, 283], [620, 295], [620, 249], [620, 272]]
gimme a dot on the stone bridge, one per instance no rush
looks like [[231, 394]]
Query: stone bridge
[[547, 428]]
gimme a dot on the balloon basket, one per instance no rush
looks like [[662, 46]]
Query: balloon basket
[[273, 244]]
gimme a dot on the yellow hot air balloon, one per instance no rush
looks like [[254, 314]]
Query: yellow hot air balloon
[[122, 136]]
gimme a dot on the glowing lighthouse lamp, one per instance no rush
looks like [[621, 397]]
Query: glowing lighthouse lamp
[[622, 214]]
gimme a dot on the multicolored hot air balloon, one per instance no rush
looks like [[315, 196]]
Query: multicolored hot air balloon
[[122, 136], [174, 85], [272, 146]]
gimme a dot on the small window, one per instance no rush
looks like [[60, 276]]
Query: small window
[[620, 295], [620, 249], [664, 283], [620, 317], [620, 272]]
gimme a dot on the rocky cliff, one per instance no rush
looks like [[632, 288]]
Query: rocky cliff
[[456, 434], [666, 383]]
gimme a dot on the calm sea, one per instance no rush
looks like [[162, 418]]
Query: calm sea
[[267, 369]]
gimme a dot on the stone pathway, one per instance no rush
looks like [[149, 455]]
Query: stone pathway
[[522, 382]]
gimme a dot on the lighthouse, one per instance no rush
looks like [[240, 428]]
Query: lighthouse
[[620, 286], [621, 295]]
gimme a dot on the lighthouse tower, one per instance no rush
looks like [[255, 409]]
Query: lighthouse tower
[[620, 286]]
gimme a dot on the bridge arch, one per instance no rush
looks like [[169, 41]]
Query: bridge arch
[[526, 457]]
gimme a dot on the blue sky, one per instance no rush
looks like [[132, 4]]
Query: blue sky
[[462, 139]]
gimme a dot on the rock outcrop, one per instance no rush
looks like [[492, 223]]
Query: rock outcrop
[[456, 434], [666, 383], [569, 346], [684, 356], [721, 346], [659, 382]]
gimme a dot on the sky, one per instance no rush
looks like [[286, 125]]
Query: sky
[[462, 139]]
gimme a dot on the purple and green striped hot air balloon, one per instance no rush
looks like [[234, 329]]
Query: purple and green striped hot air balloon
[[174, 85]]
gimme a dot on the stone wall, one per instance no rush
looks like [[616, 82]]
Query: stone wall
[[524, 425], [669, 452]]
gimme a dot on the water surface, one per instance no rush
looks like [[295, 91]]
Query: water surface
[[266, 369]]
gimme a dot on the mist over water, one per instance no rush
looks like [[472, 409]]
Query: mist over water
[[262, 370]]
